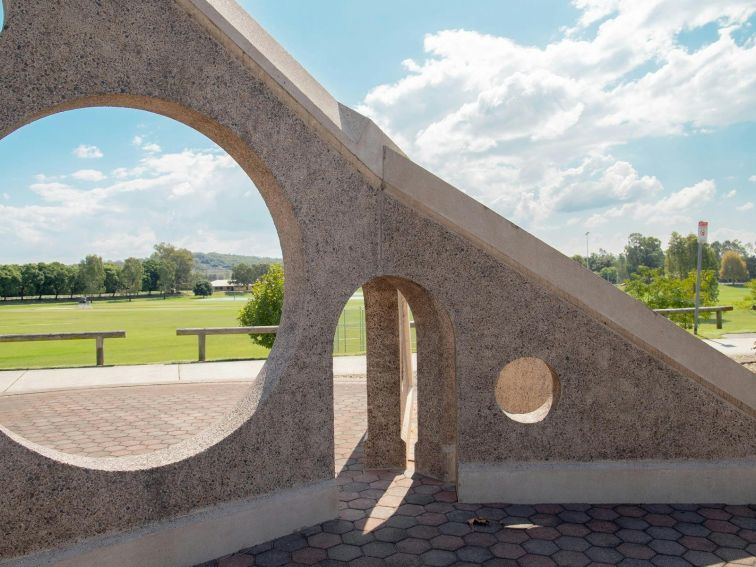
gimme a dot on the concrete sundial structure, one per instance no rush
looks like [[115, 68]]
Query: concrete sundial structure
[[536, 380]]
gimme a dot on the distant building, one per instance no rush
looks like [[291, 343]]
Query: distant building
[[226, 285]]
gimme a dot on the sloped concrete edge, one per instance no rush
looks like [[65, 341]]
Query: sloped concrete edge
[[609, 482], [201, 536], [418, 188], [357, 137]]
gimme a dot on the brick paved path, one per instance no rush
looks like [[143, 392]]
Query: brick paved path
[[111, 422], [388, 518]]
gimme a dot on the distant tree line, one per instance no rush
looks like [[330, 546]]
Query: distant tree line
[[732, 261], [666, 278], [167, 270]]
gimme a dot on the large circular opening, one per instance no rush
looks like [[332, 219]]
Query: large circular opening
[[133, 249]]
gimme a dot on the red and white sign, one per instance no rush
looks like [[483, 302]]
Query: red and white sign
[[703, 231]]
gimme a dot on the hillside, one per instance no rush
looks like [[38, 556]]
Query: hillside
[[220, 265]]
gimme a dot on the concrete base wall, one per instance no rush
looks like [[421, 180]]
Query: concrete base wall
[[607, 482], [201, 536]]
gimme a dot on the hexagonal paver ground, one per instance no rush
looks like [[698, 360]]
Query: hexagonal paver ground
[[398, 518], [393, 518]]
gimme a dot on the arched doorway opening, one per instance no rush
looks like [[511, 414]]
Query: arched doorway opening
[[392, 390]]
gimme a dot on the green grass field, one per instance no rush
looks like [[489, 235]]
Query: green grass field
[[150, 326], [741, 320]]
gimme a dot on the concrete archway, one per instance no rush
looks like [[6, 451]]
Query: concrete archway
[[389, 379]]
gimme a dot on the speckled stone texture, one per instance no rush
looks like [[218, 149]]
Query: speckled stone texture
[[338, 230]]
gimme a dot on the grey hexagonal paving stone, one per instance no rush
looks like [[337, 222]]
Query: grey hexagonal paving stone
[[570, 543], [474, 554], [413, 546], [603, 540], [633, 536], [344, 552], [667, 547], [438, 558], [272, 558], [540, 547], [669, 561], [604, 555], [701, 558], [507, 550], [379, 549], [568, 558], [664, 533], [403, 560], [635, 551], [390, 534]]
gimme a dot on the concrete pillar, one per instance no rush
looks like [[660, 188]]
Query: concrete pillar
[[384, 447]]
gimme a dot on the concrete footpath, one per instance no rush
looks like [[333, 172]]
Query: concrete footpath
[[24, 381], [734, 344]]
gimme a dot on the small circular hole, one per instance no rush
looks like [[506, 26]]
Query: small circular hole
[[527, 389]]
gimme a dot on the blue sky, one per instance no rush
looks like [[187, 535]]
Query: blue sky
[[565, 117]]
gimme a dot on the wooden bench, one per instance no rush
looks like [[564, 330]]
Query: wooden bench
[[98, 336], [203, 332], [719, 309]]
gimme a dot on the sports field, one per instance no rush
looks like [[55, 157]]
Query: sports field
[[741, 320], [150, 326]]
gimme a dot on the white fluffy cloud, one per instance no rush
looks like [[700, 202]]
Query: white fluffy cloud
[[673, 208], [530, 130], [88, 175], [182, 197], [745, 207], [87, 152]]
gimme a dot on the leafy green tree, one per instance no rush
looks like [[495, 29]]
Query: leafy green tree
[[682, 256], [32, 280], [75, 283], [151, 277], [247, 274], [643, 251], [10, 281], [57, 279], [167, 277], [112, 278], [658, 291], [203, 288], [733, 268], [609, 273], [92, 274], [182, 262], [132, 274], [265, 305], [736, 245]]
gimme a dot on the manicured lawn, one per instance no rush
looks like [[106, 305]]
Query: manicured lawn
[[741, 320], [150, 326]]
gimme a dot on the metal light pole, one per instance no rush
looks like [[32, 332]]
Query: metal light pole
[[703, 229], [587, 253]]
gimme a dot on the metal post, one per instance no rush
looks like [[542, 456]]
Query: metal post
[[587, 252], [201, 342], [703, 233], [698, 287], [100, 346]]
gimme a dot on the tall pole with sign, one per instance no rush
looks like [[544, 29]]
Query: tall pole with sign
[[703, 230]]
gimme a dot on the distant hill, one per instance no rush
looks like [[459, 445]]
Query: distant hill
[[220, 265]]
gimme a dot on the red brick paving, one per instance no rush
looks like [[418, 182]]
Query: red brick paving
[[387, 517], [112, 422]]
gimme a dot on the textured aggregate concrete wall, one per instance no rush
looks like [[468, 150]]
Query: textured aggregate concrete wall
[[338, 230]]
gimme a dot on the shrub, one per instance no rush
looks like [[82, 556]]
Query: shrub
[[658, 291], [266, 304], [203, 288]]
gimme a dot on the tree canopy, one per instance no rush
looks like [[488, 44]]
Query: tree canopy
[[266, 304]]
